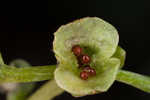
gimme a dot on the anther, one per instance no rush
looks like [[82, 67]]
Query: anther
[[89, 70], [77, 50], [85, 59], [84, 75]]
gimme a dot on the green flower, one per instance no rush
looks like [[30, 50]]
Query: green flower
[[89, 61], [99, 40]]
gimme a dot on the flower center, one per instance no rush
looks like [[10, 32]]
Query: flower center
[[83, 59]]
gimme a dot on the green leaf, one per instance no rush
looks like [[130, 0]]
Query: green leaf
[[70, 81], [120, 54]]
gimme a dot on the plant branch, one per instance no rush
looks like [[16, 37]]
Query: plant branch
[[22, 90], [47, 92], [134, 79], [26, 74]]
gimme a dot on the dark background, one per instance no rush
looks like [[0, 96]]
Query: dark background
[[26, 31]]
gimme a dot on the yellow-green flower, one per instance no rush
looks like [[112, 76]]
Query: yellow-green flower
[[99, 39]]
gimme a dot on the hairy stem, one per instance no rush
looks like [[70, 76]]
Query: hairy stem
[[134, 79], [47, 92], [26, 74]]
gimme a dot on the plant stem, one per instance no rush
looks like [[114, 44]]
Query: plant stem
[[47, 91], [134, 79], [26, 74], [24, 89]]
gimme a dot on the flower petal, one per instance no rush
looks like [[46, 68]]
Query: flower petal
[[91, 32], [70, 81]]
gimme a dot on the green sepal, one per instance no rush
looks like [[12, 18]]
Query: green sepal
[[70, 81], [120, 54], [99, 38]]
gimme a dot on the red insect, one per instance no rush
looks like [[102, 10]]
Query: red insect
[[77, 50]]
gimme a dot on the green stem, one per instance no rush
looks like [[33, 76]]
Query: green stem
[[24, 89], [26, 74], [47, 91], [134, 79]]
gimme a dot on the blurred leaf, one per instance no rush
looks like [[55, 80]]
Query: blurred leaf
[[21, 92], [1, 60]]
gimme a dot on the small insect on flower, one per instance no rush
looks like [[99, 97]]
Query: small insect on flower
[[89, 70], [85, 59], [84, 75], [77, 50]]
